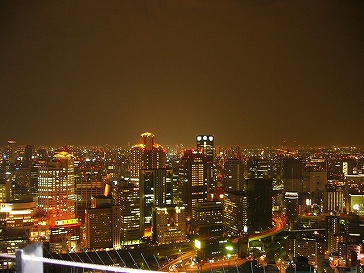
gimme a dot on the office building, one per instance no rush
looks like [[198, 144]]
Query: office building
[[17, 215], [207, 219], [146, 155], [335, 233], [169, 224], [84, 190], [233, 179], [56, 187], [291, 201], [155, 187], [259, 194], [357, 204], [205, 145], [126, 196], [258, 167], [334, 197], [65, 236], [103, 224], [28, 156], [235, 213], [292, 174], [192, 180], [10, 153]]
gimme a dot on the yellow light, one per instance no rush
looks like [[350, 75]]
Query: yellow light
[[66, 222], [198, 244]]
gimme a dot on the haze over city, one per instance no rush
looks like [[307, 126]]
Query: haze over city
[[247, 72]]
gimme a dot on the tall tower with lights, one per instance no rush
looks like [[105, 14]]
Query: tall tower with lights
[[205, 145], [192, 180], [155, 191], [56, 187], [146, 155]]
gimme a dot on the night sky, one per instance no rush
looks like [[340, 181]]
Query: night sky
[[249, 72]]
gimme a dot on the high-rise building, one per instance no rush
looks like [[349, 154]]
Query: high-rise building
[[22, 186], [155, 187], [292, 169], [56, 187], [10, 152], [126, 196], [235, 213], [207, 219], [28, 156], [65, 236], [334, 197], [146, 155], [335, 233], [102, 224], [259, 194], [258, 167], [169, 224], [291, 200], [84, 190], [234, 175], [205, 145], [192, 180]]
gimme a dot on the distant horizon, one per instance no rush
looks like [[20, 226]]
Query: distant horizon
[[282, 145]]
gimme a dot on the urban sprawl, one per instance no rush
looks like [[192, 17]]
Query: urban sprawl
[[205, 208]]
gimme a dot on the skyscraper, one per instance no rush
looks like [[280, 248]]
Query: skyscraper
[[192, 180], [207, 219], [10, 152], [102, 224], [146, 155], [28, 153], [234, 175], [155, 191], [292, 174], [126, 196], [259, 203], [205, 145], [56, 187], [235, 212], [169, 224]]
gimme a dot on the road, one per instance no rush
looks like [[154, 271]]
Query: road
[[183, 264]]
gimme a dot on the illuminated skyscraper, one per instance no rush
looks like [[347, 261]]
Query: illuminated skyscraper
[[291, 200], [192, 180], [146, 155], [155, 191], [234, 175], [334, 197], [84, 190], [235, 213], [169, 224], [56, 187], [10, 152], [205, 145], [103, 228], [126, 196], [207, 219]]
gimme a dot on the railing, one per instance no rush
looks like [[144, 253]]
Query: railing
[[30, 260]]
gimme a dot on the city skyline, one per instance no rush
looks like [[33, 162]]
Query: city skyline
[[248, 72]]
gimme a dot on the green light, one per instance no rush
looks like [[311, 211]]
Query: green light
[[230, 248]]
